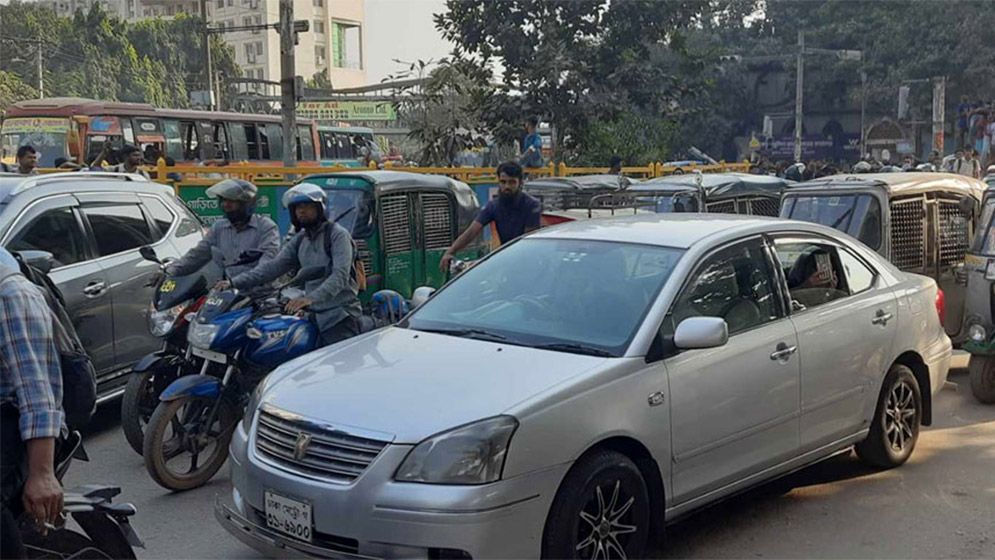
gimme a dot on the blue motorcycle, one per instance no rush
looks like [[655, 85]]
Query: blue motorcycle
[[240, 337]]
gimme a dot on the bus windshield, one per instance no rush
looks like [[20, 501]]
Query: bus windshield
[[856, 214], [47, 135]]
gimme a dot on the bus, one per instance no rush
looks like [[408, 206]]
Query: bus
[[343, 145], [78, 129]]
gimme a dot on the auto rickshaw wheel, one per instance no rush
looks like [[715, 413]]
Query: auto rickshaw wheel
[[982, 373]]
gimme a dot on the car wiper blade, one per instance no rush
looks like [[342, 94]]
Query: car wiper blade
[[574, 349], [477, 334]]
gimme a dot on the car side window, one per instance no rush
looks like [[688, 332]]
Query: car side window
[[55, 231], [118, 227], [858, 276], [813, 271], [161, 215], [734, 283]]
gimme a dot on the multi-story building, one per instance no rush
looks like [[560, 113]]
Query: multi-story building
[[66, 8]]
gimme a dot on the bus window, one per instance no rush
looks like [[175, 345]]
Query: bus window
[[251, 141], [263, 142], [174, 141], [219, 136], [128, 131], [305, 144], [274, 133], [191, 140], [238, 143]]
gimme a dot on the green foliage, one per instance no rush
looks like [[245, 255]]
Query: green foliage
[[637, 139], [12, 90], [98, 56]]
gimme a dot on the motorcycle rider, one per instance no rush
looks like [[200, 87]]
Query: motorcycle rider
[[241, 230], [318, 242], [31, 404]]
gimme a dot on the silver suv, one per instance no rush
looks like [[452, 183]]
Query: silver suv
[[93, 225]]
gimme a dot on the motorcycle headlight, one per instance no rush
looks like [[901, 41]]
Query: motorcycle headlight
[[990, 270], [201, 335], [977, 333], [471, 454], [161, 322]]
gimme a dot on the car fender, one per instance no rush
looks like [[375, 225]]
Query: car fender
[[192, 385]]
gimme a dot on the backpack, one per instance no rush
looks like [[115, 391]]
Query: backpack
[[358, 271], [79, 378]]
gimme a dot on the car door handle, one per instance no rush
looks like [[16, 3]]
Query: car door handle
[[783, 352], [881, 318], [94, 288]]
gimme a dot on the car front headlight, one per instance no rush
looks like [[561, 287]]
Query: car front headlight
[[161, 322], [471, 454], [202, 335], [990, 270], [977, 333]]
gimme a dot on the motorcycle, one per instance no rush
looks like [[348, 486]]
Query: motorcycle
[[173, 301], [106, 531], [240, 339]]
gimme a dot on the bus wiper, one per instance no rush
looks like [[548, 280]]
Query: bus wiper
[[574, 349]]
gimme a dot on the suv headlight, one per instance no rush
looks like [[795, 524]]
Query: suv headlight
[[161, 322], [471, 454], [201, 335]]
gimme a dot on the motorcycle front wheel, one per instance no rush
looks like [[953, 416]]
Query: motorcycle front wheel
[[141, 396], [180, 449]]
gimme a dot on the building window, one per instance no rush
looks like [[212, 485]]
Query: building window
[[221, 4], [319, 3], [259, 48], [319, 27], [320, 54], [347, 45]]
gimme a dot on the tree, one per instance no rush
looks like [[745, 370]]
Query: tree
[[12, 90]]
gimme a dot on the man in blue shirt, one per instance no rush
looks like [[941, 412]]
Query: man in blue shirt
[[513, 213], [531, 155]]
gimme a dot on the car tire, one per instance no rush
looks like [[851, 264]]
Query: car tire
[[136, 409], [981, 370], [170, 414], [895, 425], [678, 171], [600, 510]]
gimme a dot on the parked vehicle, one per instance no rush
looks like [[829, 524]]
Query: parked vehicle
[[570, 198], [240, 336], [94, 225], [724, 193], [600, 379], [402, 224], [105, 529], [175, 300], [921, 222], [980, 305]]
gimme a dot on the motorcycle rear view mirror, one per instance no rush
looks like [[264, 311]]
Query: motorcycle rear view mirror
[[250, 256], [148, 253]]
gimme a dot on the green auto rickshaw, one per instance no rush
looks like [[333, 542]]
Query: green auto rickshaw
[[402, 224], [980, 267]]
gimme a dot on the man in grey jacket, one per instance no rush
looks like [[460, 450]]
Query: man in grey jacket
[[333, 298], [241, 230]]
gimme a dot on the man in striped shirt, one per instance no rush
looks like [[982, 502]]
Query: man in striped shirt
[[31, 405], [240, 231]]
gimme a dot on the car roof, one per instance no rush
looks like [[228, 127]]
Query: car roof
[[578, 183], [13, 186], [675, 230], [718, 185], [898, 183]]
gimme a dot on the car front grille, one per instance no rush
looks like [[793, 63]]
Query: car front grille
[[331, 455]]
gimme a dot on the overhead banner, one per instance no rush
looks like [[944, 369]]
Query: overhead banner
[[347, 110], [36, 124]]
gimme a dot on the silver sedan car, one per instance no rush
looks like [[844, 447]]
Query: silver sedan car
[[584, 386]]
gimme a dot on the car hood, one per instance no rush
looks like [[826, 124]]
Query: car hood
[[406, 385]]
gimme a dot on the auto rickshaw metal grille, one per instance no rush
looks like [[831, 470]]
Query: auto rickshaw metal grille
[[363, 249], [908, 233], [724, 207], [331, 455], [438, 223], [953, 232], [396, 224], [765, 207]]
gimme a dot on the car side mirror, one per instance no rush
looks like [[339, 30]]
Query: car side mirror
[[148, 253], [701, 332], [421, 295], [42, 260]]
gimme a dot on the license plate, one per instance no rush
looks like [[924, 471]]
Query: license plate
[[288, 516], [210, 355]]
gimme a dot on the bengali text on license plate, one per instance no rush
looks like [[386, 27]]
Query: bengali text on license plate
[[289, 516]]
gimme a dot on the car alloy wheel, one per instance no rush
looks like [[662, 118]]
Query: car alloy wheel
[[607, 531], [900, 413]]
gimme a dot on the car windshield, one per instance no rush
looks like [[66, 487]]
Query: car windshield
[[578, 296], [352, 209], [858, 214], [984, 237]]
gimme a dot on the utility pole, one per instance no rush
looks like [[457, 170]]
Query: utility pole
[[799, 95], [208, 65], [41, 81], [939, 106], [863, 105], [288, 103]]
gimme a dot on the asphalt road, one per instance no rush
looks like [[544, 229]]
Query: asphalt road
[[941, 504]]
